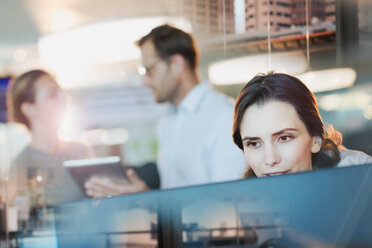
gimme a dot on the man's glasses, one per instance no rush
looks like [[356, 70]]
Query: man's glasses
[[146, 70]]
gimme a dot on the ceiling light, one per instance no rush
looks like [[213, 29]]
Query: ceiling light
[[345, 101], [106, 42], [367, 112], [330, 102], [241, 70], [330, 79]]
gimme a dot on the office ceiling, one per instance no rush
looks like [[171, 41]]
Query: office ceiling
[[24, 21]]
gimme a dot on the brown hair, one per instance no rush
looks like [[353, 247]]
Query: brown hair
[[169, 40], [289, 89], [21, 90]]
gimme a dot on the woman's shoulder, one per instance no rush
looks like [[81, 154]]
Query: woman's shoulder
[[353, 157], [21, 158], [77, 150], [73, 145]]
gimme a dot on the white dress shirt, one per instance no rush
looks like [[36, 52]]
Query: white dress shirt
[[195, 141]]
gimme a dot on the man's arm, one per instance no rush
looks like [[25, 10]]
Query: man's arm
[[104, 186]]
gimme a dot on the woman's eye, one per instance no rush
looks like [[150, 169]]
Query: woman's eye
[[285, 138], [253, 144]]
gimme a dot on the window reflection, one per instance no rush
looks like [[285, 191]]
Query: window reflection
[[298, 210]]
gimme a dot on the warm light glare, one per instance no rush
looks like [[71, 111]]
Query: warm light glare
[[93, 137], [115, 136], [95, 75], [20, 55], [363, 100], [39, 178], [69, 130], [99, 43], [58, 19], [330, 79], [367, 112], [346, 101], [2, 137], [330, 102], [241, 70], [141, 71], [112, 136]]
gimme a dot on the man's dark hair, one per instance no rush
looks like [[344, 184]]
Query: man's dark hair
[[169, 40]]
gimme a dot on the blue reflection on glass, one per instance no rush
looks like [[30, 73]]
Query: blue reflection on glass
[[326, 208]]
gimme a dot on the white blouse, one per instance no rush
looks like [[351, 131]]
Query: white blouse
[[352, 157]]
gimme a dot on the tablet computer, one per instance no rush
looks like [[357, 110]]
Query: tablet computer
[[83, 169]]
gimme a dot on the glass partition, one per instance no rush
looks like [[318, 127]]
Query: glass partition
[[327, 208]]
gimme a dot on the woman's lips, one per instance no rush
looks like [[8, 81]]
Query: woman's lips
[[277, 173]]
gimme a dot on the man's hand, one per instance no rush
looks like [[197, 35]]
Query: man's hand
[[104, 186]]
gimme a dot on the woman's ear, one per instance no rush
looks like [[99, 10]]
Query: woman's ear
[[27, 109], [317, 144]]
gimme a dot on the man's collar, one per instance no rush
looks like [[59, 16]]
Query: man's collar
[[193, 98]]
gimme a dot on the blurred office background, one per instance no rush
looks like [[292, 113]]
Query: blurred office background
[[89, 46]]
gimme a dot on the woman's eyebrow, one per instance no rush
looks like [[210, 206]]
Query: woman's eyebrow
[[274, 134], [250, 138], [285, 130]]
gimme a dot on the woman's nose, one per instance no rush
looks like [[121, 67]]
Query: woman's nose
[[272, 156]]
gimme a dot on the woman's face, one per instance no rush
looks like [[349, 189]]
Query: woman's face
[[49, 105], [275, 140]]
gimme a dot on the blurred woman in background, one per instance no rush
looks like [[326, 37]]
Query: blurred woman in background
[[278, 127], [36, 100]]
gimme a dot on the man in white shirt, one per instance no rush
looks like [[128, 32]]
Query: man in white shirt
[[195, 142]]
